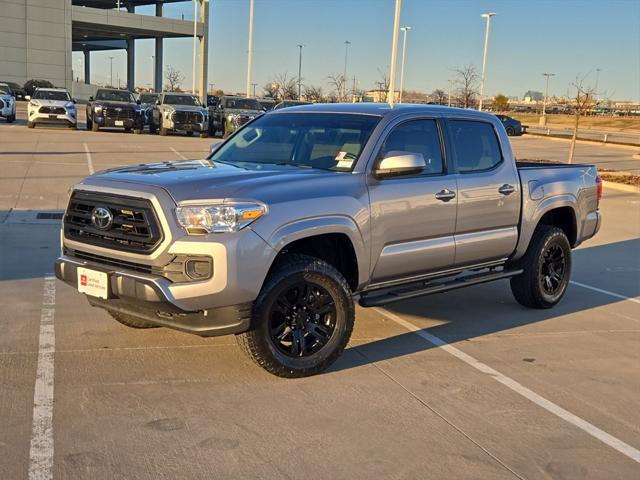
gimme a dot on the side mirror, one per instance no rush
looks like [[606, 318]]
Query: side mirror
[[27, 97], [397, 163], [91, 98], [74, 100], [158, 102], [215, 146], [138, 102]]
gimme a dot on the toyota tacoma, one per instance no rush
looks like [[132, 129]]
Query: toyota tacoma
[[303, 212]]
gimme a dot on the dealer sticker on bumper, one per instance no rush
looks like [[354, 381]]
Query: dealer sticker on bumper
[[93, 283]]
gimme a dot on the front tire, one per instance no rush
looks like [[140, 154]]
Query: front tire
[[31, 125], [131, 321], [11, 118], [302, 319], [510, 131], [547, 269]]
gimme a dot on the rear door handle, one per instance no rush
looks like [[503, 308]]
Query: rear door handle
[[445, 195], [507, 189]]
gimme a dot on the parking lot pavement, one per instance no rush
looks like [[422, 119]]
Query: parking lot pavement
[[614, 157], [466, 384]]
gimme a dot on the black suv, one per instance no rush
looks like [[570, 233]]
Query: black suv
[[114, 108]]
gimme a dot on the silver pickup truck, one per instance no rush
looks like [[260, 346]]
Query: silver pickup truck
[[304, 211]]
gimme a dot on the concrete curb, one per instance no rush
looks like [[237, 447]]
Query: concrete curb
[[621, 187], [586, 142]]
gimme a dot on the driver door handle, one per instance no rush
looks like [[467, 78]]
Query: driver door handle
[[445, 195], [506, 189]]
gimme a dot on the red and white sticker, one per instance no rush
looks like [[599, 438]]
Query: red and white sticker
[[93, 283]]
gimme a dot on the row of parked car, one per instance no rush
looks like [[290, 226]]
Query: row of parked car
[[162, 113]]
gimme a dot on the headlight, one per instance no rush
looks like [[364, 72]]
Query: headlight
[[33, 103], [98, 109], [232, 117], [203, 219]]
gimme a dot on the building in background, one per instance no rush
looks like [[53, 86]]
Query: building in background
[[37, 37]]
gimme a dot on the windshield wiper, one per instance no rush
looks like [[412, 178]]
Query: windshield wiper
[[288, 164]]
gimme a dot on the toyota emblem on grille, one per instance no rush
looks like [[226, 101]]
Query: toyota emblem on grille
[[102, 218]]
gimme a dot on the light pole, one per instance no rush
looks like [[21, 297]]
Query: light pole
[[484, 56], [404, 54], [195, 44], [344, 73], [111, 71], [153, 66], [299, 70], [598, 70], [394, 53], [250, 52], [546, 92], [254, 85]]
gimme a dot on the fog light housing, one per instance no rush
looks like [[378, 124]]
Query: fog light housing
[[198, 269]]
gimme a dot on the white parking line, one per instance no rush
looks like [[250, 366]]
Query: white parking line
[[551, 407], [606, 292], [41, 451], [178, 153], [89, 160]]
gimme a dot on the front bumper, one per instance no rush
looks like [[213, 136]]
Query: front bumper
[[109, 122], [66, 118], [146, 296]]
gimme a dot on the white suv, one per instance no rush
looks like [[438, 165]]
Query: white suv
[[7, 103], [52, 105]]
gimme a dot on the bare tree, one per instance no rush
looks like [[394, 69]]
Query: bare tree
[[282, 87], [338, 86], [439, 96], [174, 78], [314, 94], [583, 102], [467, 79], [382, 85]]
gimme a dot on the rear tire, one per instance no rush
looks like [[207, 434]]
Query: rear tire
[[11, 118], [510, 131], [130, 321], [547, 269], [31, 125], [302, 319]]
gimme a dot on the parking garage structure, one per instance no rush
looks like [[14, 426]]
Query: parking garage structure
[[40, 36]]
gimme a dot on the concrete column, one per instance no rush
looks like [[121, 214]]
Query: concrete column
[[157, 69], [131, 64], [87, 66], [204, 51]]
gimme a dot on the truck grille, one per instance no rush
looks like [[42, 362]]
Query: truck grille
[[122, 114], [134, 226], [188, 118], [53, 110]]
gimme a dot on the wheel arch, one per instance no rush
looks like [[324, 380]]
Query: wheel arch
[[336, 240]]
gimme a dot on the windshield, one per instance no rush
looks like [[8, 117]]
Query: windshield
[[242, 104], [314, 140], [114, 96], [148, 98], [58, 95], [182, 100], [4, 89]]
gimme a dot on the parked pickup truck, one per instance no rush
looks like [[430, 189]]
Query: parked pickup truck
[[304, 211], [114, 108], [175, 112], [233, 112]]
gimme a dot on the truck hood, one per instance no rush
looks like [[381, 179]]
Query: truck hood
[[184, 108], [236, 111], [50, 103], [113, 103], [191, 180]]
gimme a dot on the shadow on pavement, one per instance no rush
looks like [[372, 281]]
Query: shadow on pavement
[[490, 308]]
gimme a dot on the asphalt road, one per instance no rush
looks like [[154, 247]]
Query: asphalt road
[[466, 384], [613, 157]]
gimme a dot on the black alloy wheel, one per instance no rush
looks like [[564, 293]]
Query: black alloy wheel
[[302, 319]]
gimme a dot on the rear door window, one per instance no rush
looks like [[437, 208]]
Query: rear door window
[[475, 144]]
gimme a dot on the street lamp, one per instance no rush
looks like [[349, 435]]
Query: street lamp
[[111, 71], [404, 54], [153, 66], [546, 92], [484, 56], [344, 73], [299, 70], [394, 53], [598, 70], [195, 44], [250, 53]]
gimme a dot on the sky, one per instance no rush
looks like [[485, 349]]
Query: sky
[[571, 38]]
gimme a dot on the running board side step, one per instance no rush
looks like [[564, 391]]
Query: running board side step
[[372, 299]]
